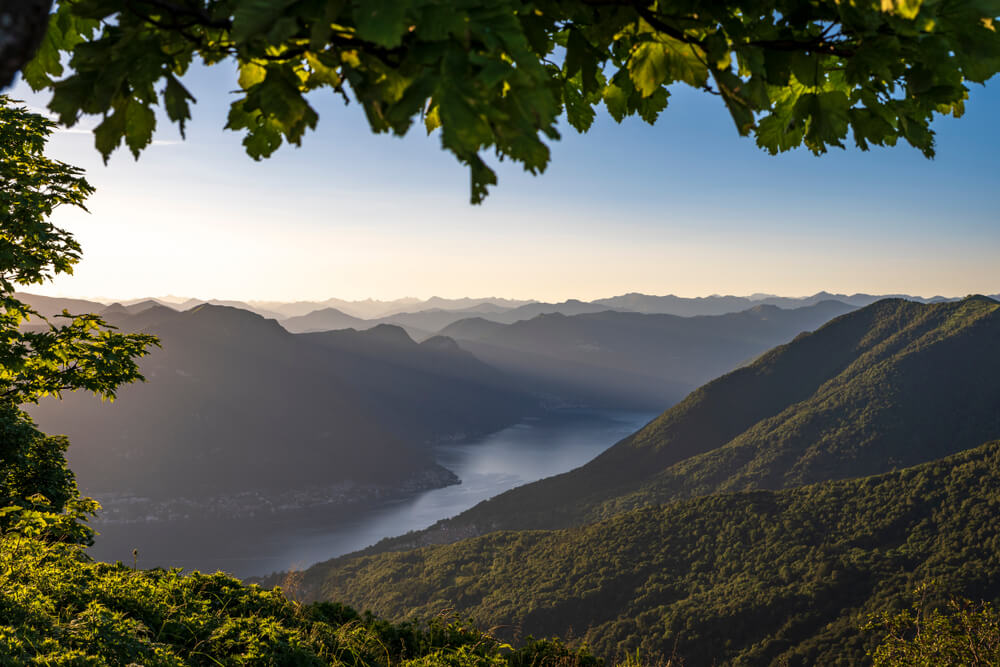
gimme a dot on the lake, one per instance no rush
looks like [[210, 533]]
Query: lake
[[487, 466]]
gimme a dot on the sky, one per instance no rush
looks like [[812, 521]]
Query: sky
[[685, 207]]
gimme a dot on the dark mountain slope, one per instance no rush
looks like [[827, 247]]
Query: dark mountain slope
[[648, 361], [529, 310], [890, 385], [235, 403], [325, 319], [753, 578], [926, 384], [420, 323], [434, 382]]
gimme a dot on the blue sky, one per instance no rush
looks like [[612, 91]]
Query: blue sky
[[685, 207]]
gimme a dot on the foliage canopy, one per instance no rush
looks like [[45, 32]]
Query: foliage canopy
[[39, 357], [962, 632], [751, 578], [60, 608], [497, 74]]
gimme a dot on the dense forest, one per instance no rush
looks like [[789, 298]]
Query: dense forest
[[762, 577], [58, 607]]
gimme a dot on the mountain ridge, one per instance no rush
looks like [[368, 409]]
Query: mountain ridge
[[639, 359], [754, 577], [228, 385], [646, 467]]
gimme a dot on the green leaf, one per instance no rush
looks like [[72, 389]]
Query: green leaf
[[251, 73], [649, 67], [482, 177], [140, 121], [907, 9], [807, 68], [175, 100], [46, 61], [464, 129], [322, 72], [826, 116], [776, 134], [577, 50], [616, 101], [731, 88], [381, 21], [655, 63], [283, 29], [649, 108], [109, 133], [255, 17], [579, 111], [432, 120]]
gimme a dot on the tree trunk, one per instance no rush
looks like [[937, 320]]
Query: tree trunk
[[22, 26]]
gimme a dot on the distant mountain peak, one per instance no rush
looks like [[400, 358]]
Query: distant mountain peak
[[390, 333], [329, 310], [220, 312], [229, 318], [442, 343], [114, 309], [144, 305]]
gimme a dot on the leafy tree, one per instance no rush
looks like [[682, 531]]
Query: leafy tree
[[39, 357], [497, 74], [960, 633]]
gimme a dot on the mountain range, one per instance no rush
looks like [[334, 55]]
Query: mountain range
[[891, 385], [493, 308], [756, 522], [235, 403], [635, 360], [719, 304], [583, 354]]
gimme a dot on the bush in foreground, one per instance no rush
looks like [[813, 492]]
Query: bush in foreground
[[60, 608]]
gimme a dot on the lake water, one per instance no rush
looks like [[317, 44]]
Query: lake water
[[295, 540]]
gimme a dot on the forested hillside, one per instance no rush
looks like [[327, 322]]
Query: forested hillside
[[888, 386], [61, 608], [761, 577]]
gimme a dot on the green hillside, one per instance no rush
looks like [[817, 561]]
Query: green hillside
[[888, 386], [762, 577], [59, 608]]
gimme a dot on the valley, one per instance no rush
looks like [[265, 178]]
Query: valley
[[252, 536], [246, 434], [752, 522], [733, 399], [517, 474]]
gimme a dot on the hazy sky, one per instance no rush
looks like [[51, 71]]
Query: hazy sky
[[686, 207]]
